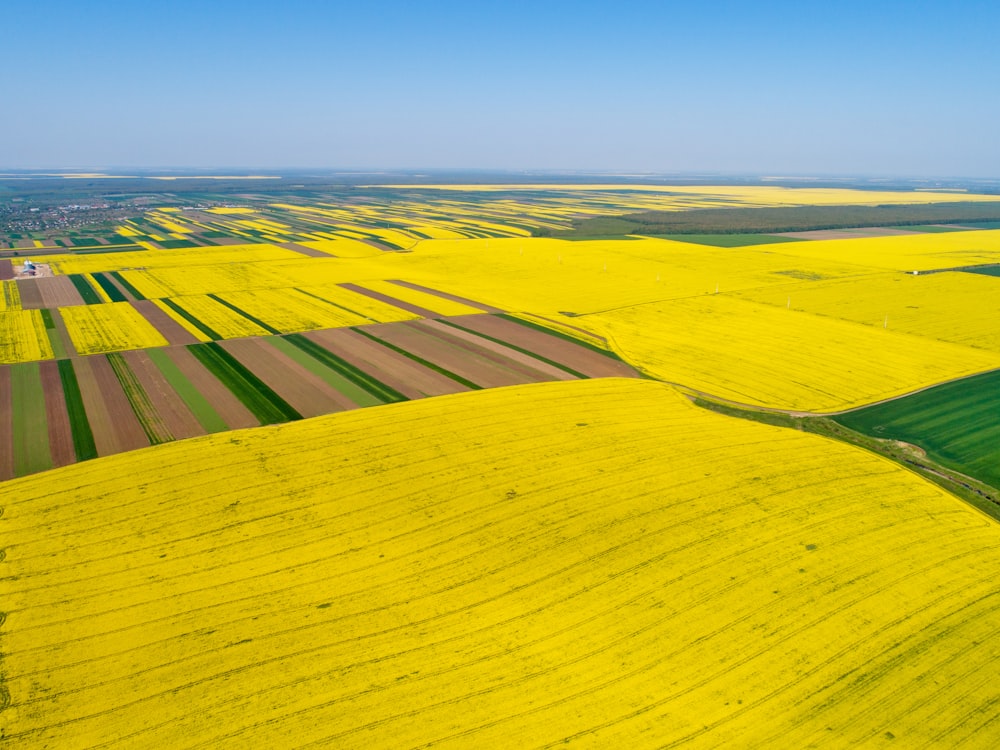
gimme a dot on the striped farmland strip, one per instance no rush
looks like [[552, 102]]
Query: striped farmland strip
[[361, 379], [87, 293], [265, 404]]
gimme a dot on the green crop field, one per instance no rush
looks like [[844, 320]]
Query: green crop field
[[958, 424]]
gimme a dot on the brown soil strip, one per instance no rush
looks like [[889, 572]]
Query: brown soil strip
[[379, 246], [582, 331], [111, 418], [60, 325], [31, 294], [169, 406], [305, 392], [6, 426], [445, 295], [534, 369], [25, 244], [312, 253], [169, 328], [6, 270], [467, 361], [60, 431], [58, 291], [578, 358], [415, 309], [230, 408], [411, 379]]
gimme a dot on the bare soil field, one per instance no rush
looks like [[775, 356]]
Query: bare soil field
[[58, 291], [109, 413], [397, 371], [169, 328], [60, 432]]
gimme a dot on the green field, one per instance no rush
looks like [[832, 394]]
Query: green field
[[958, 424], [986, 270]]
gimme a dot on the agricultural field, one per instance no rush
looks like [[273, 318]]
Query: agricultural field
[[88, 406], [386, 468], [958, 424], [661, 575]]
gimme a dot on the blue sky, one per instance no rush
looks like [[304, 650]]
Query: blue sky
[[893, 88]]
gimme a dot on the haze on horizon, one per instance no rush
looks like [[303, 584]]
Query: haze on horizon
[[901, 88]]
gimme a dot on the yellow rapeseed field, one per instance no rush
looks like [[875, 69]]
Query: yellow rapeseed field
[[23, 337], [193, 257], [10, 297], [594, 564], [950, 306], [913, 252], [110, 327], [223, 320], [289, 310], [777, 357]]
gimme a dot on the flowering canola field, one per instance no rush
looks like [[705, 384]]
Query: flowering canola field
[[776, 357], [596, 563]]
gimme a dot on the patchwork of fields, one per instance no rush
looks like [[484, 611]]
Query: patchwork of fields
[[525, 541], [599, 563], [59, 412]]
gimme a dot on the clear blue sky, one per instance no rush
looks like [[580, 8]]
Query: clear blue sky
[[899, 88]]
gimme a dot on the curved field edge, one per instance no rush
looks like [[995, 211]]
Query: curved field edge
[[956, 423], [592, 562]]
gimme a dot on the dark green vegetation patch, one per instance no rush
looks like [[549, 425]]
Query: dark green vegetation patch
[[709, 221], [986, 270], [83, 438], [126, 285], [86, 291], [264, 403], [957, 423], [109, 287]]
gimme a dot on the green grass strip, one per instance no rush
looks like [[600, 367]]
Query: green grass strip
[[207, 416], [108, 286], [86, 291], [347, 371], [116, 275], [191, 319], [336, 380], [252, 392], [47, 318], [83, 437], [29, 420], [246, 315], [516, 348], [421, 361], [559, 334], [58, 347], [149, 418]]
